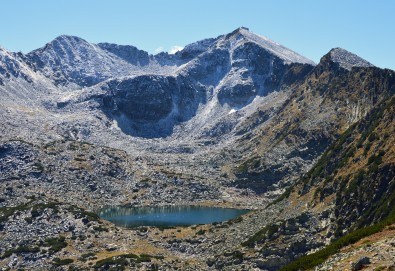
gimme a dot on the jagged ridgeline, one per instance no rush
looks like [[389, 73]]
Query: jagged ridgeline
[[232, 121]]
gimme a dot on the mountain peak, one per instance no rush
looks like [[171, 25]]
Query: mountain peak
[[70, 59], [346, 59], [68, 38], [62, 43], [287, 55], [238, 30]]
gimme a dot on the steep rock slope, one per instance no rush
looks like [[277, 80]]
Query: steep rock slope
[[346, 196], [353, 182], [12, 67], [128, 53], [25, 97], [358, 171], [325, 104]]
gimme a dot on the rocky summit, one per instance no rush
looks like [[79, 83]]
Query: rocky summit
[[234, 121]]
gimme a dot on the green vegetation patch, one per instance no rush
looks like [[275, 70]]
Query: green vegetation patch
[[37, 209], [56, 244], [253, 162], [282, 197], [262, 234], [120, 262], [87, 256], [235, 255], [81, 213], [200, 232], [60, 262], [100, 228], [20, 250]]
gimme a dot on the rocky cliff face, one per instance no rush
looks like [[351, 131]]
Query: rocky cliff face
[[327, 102], [12, 66], [148, 105], [128, 53], [357, 172], [352, 183]]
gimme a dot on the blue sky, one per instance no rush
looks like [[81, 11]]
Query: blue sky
[[309, 27]]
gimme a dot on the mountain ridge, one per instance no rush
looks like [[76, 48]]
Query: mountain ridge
[[68, 46], [347, 59]]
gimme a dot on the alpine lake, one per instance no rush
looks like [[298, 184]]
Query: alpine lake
[[167, 216]]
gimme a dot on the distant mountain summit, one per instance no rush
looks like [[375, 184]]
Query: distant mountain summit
[[243, 35], [69, 59], [347, 60]]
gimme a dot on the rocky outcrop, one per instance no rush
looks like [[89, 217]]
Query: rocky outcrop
[[327, 102], [13, 66], [128, 53], [347, 60], [364, 194]]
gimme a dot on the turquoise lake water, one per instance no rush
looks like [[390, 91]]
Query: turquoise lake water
[[167, 216]]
